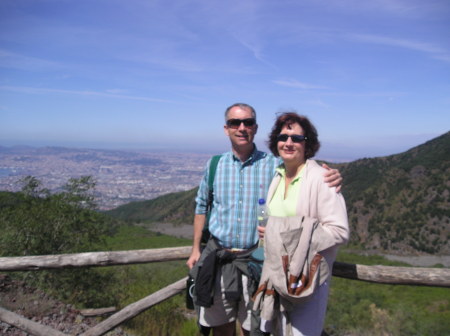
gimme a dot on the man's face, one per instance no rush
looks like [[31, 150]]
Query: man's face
[[242, 135]]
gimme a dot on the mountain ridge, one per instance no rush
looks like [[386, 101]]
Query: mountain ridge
[[396, 203], [401, 202]]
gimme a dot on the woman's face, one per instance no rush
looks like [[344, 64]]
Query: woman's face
[[290, 151]]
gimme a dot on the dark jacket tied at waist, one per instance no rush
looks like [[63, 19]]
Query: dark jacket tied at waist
[[233, 265]]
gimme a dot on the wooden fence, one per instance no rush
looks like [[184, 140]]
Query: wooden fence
[[418, 276]]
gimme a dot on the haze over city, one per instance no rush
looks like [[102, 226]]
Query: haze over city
[[373, 76]]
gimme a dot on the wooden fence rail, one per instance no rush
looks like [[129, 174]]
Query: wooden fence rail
[[136, 308], [394, 275], [103, 327], [419, 276], [89, 259], [438, 277]]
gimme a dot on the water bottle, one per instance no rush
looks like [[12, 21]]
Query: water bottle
[[190, 293], [262, 212], [262, 217]]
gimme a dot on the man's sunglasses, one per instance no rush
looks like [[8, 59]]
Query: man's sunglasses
[[235, 123], [294, 137]]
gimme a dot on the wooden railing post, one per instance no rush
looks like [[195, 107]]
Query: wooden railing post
[[136, 308], [27, 325]]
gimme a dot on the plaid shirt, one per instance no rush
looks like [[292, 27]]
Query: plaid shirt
[[237, 188]]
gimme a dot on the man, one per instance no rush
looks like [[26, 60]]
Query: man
[[242, 177]]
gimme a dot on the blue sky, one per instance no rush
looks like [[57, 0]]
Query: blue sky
[[373, 76]]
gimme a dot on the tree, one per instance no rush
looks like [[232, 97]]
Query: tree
[[36, 222], [42, 223]]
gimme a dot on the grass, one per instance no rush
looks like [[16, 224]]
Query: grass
[[135, 282], [355, 307], [363, 308], [137, 237]]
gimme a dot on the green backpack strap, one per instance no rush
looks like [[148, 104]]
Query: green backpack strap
[[212, 173]]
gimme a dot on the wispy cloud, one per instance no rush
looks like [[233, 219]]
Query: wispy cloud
[[256, 49], [318, 102], [293, 83], [395, 8], [108, 94], [428, 48], [244, 22], [172, 60], [16, 61]]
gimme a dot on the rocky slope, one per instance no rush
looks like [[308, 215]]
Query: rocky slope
[[36, 305]]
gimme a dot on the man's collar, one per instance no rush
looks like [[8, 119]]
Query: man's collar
[[253, 156]]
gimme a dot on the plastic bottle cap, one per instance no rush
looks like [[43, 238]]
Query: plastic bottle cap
[[261, 201]]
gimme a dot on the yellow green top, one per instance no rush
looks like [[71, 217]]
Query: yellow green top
[[281, 205]]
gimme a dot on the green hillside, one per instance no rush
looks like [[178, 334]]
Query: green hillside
[[401, 202], [395, 203], [35, 222], [175, 208]]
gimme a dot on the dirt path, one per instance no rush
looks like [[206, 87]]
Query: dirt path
[[422, 261], [179, 230]]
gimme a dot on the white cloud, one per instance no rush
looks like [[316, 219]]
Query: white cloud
[[399, 8], [22, 62], [428, 48], [34, 90], [299, 85]]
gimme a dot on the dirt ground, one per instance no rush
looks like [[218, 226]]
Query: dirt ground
[[423, 261], [33, 304], [180, 230]]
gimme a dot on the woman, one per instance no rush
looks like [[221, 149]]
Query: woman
[[308, 220]]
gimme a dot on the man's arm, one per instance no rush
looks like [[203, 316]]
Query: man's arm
[[201, 210], [333, 177], [199, 223]]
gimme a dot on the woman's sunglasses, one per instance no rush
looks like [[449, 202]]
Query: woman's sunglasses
[[294, 137]]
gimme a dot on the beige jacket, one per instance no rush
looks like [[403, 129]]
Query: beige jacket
[[300, 250]]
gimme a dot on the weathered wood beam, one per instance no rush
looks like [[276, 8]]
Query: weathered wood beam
[[98, 311], [136, 308], [31, 327], [439, 277], [75, 260], [418, 276]]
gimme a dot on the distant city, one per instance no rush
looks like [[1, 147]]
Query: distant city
[[121, 176]]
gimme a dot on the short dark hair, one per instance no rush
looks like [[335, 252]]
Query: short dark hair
[[241, 105], [312, 143]]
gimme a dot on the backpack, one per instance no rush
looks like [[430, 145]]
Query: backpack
[[212, 172], [205, 237]]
